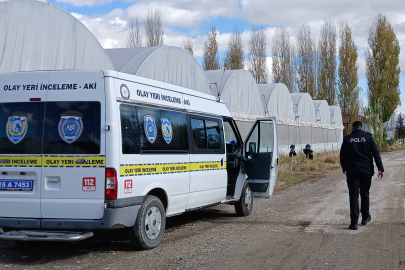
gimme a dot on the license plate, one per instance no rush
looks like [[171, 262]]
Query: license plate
[[16, 185]]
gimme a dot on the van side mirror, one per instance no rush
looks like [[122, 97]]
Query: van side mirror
[[252, 148]]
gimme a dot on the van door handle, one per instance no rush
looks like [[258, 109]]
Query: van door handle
[[53, 180], [222, 162]]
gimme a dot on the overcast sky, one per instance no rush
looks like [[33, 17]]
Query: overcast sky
[[107, 20]]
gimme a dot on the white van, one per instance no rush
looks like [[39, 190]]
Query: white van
[[82, 151]]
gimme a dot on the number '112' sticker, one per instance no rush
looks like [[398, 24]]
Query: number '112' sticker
[[89, 184]]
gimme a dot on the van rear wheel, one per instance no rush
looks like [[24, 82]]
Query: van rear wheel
[[150, 224], [244, 206]]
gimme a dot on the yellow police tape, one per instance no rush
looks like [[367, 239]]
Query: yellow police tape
[[27, 161], [53, 161], [73, 162], [166, 168]]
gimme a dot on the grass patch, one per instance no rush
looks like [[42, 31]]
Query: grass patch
[[392, 148], [305, 170]]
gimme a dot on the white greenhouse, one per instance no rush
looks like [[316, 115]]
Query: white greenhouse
[[39, 36], [36, 35], [166, 64], [239, 91]]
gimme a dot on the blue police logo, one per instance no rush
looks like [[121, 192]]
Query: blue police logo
[[70, 128], [167, 130], [150, 128], [124, 92], [16, 128]]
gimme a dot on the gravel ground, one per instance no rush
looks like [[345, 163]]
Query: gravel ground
[[304, 227]]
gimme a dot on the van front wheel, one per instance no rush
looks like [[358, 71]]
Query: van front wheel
[[150, 224], [244, 206]]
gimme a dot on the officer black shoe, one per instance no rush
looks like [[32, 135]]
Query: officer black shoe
[[364, 221], [353, 227]]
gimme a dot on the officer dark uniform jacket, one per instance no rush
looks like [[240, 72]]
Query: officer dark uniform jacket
[[356, 157]]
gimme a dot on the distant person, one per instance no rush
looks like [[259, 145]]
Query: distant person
[[356, 157]]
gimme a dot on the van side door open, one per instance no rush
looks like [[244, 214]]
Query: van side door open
[[261, 157]]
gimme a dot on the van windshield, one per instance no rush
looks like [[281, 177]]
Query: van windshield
[[50, 128]]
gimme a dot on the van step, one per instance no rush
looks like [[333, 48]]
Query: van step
[[59, 236]]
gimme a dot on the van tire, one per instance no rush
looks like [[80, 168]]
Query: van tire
[[244, 206], [139, 235]]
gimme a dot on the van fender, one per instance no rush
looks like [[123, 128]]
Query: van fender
[[158, 185]]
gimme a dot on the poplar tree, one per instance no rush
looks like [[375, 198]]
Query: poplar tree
[[327, 62], [305, 61], [348, 92], [382, 70], [187, 44], [211, 57], [257, 54], [234, 55], [283, 58], [400, 127]]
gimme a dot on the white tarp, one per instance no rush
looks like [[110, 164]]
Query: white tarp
[[40, 36], [277, 102], [322, 112], [303, 108], [166, 64], [239, 91]]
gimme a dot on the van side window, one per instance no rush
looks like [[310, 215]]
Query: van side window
[[72, 128], [152, 129], [131, 141], [199, 134], [213, 135], [206, 134]]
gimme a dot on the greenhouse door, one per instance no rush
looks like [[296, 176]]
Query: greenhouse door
[[260, 157]]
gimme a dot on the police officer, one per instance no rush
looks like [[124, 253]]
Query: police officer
[[356, 157]]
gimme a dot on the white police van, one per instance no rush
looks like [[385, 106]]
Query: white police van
[[82, 151]]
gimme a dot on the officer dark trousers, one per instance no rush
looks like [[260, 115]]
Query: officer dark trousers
[[356, 183]]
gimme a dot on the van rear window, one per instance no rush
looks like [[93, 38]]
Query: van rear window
[[50, 128], [72, 128], [21, 127]]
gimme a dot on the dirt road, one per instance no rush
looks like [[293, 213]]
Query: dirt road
[[304, 227]]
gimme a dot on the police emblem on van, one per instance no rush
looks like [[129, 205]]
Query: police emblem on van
[[70, 128], [150, 128], [16, 128], [124, 92], [167, 130]]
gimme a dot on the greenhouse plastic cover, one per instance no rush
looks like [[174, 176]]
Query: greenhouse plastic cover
[[304, 108], [166, 64], [40, 36], [322, 112], [336, 117], [239, 91], [278, 102]]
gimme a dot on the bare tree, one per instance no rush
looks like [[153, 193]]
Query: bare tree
[[153, 28], [283, 58], [234, 55], [211, 57], [257, 54], [305, 61], [134, 38], [348, 94], [187, 44], [327, 62]]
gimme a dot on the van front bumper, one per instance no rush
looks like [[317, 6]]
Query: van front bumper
[[119, 213]]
